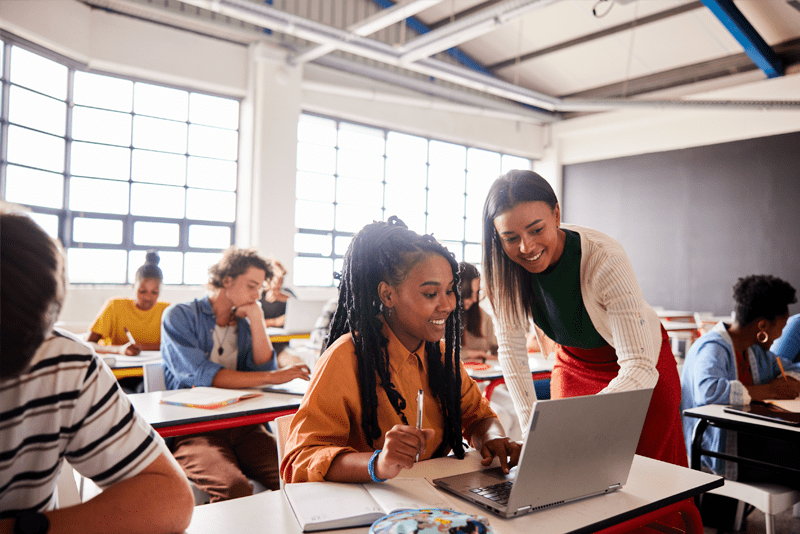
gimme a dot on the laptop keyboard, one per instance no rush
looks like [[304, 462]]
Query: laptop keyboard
[[496, 492]]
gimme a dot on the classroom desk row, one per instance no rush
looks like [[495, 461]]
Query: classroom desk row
[[131, 366]]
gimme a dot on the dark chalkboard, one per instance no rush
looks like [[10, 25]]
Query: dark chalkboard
[[694, 220]]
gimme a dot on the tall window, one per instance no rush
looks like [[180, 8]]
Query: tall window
[[114, 167], [349, 175]]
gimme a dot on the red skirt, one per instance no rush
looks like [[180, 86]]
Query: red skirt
[[587, 371]]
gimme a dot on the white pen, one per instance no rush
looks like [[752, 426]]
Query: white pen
[[130, 337], [419, 415]]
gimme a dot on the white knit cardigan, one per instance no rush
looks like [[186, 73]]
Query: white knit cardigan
[[615, 305]]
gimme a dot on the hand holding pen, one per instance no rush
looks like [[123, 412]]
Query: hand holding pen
[[130, 348]]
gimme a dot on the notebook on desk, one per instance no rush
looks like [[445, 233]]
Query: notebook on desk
[[575, 448]]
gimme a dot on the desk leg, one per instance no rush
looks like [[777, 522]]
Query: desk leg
[[694, 454]]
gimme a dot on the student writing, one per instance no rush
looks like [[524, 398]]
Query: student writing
[[141, 315], [732, 364], [394, 332]]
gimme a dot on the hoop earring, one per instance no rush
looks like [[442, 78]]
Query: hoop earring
[[758, 337]]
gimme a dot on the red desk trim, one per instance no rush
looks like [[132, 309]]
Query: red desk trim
[[218, 424], [487, 392]]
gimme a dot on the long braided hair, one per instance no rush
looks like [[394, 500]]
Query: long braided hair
[[386, 252]]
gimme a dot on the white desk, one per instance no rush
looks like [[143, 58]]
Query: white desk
[[715, 415], [651, 486], [170, 420]]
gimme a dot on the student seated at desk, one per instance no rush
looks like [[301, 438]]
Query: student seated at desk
[[788, 345], [731, 364], [478, 341], [273, 299], [58, 401], [358, 421], [220, 340], [141, 316]]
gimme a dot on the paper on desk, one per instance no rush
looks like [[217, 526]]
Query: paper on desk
[[791, 405]]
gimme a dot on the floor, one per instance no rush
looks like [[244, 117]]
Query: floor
[[785, 523]]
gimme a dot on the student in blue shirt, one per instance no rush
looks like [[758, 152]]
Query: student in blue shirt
[[788, 345], [731, 364], [220, 340]]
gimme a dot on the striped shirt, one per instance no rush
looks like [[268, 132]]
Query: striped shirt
[[67, 405]]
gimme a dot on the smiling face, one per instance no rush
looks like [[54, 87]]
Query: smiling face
[[245, 288], [530, 235], [147, 291], [421, 303]]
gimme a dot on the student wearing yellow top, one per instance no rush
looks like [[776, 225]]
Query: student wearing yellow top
[[140, 315], [394, 334]]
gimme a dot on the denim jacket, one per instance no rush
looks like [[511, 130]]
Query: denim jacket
[[187, 340], [710, 377]]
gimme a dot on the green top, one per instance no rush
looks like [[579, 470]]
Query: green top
[[557, 304]]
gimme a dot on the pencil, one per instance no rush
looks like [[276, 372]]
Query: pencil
[[419, 415], [130, 337], [778, 359]]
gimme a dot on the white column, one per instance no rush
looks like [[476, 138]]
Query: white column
[[268, 157]]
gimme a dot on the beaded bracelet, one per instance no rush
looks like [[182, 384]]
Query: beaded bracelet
[[371, 467]]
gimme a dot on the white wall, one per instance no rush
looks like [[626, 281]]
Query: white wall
[[272, 99], [273, 96]]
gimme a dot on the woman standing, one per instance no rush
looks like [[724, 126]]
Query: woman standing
[[577, 285]]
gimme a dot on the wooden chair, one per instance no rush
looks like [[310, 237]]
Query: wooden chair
[[282, 425]]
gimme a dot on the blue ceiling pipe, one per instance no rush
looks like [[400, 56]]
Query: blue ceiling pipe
[[418, 26], [754, 45]]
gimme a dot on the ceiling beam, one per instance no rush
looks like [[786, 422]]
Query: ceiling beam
[[461, 14], [468, 28], [597, 35], [421, 28], [754, 45], [788, 52], [380, 20]]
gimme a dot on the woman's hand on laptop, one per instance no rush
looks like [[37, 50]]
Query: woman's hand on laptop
[[506, 450]]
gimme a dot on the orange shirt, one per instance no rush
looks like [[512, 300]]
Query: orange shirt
[[328, 422]]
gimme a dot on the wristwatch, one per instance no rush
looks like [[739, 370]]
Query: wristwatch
[[31, 523]]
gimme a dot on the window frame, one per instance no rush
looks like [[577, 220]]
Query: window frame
[[65, 215], [334, 233]]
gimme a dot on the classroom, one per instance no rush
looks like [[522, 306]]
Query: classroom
[[312, 119]]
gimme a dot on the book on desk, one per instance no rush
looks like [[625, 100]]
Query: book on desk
[[208, 398], [328, 505]]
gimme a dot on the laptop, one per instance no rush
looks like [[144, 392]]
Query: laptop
[[301, 315], [576, 447]]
